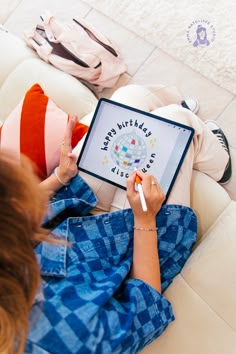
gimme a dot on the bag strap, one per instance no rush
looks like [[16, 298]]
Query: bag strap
[[38, 43], [46, 17]]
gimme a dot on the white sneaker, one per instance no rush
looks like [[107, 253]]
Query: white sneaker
[[192, 104]]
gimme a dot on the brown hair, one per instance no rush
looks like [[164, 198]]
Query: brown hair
[[22, 206]]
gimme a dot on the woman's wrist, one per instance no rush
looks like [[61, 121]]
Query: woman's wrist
[[62, 179], [145, 222], [51, 183]]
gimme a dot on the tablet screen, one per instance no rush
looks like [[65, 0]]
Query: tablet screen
[[122, 138]]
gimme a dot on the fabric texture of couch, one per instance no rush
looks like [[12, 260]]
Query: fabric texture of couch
[[204, 294]]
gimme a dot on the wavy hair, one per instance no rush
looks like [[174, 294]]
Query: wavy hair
[[22, 207]]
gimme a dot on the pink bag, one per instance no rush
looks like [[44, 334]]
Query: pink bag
[[78, 49]]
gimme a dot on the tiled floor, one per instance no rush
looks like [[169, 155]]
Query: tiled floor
[[148, 64]]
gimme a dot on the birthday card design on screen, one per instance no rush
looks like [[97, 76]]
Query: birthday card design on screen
[[127, 145]]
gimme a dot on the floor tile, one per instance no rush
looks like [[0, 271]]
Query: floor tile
[[161, 68], [7, 8], [133, 48], [27, 14]]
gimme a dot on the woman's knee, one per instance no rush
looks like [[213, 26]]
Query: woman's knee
[[129, 94], [137, 96], [181, 115]]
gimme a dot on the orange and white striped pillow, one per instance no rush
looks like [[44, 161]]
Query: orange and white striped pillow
[[36, 129]]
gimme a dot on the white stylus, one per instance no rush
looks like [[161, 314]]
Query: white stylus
[[140, 190]]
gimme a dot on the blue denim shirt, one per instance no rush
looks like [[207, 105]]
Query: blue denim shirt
[[87, 302]]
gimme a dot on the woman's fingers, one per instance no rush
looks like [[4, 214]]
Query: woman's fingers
[[72, 158], [130, 182], [152, 191], [69, 129], [156, 190], [68, 167]]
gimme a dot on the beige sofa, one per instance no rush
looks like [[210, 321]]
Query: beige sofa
[[204, 294]]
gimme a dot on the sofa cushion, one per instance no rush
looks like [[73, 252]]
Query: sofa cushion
[[66, 91], [211, 270], [13, 52], [197, 328], [203, 296], [21, 68], [36, 128], [208, 199]]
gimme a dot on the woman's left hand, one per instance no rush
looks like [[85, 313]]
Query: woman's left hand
[[67, 168]]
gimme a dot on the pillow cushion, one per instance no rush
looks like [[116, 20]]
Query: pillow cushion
[[36, 129]]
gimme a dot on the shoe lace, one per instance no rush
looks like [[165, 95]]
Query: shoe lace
[[221, 139]]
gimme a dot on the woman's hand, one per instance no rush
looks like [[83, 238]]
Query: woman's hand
[[145, 265], [67, 168], [153, 194]]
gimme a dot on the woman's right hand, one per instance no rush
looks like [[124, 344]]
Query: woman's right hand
[[153, 194], [145, 264]]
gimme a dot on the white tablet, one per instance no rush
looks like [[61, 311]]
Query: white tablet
[[122, 138]]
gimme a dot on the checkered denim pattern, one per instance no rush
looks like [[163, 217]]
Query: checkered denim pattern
[[90, 304]]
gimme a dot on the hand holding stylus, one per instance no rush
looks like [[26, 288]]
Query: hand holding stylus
[[149, 201]]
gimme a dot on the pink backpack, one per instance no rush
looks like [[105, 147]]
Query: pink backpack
[[78, 49]]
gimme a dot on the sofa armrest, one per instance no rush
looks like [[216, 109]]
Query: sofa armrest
[[208, 199]]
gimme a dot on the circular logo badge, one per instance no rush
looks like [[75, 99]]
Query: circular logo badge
[[201, 33]]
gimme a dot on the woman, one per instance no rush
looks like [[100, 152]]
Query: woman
[[101, 282]]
